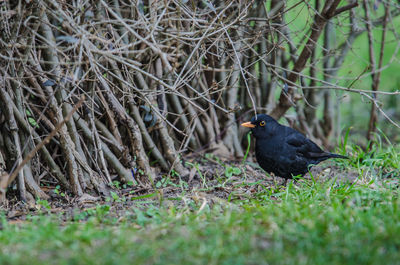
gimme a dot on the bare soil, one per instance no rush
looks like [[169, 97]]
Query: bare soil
[[207, 183]]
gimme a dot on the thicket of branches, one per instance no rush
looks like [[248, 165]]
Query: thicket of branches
[[161, 79]]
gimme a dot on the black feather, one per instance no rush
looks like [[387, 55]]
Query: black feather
[[284, 151]]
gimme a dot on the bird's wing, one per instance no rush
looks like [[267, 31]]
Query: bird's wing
[[304, 146]]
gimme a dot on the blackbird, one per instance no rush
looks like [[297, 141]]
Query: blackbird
[[283, 150]]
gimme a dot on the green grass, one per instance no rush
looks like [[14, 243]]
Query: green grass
[[310, 222]]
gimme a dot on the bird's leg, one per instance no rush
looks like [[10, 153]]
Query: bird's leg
[[274, 179]]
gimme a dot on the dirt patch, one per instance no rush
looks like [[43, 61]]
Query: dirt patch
[[208, 182]]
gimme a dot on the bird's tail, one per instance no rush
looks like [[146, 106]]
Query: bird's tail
[[331, 155]]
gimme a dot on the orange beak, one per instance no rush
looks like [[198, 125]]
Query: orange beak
[[248, 125]]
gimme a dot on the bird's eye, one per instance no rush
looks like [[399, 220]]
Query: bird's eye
[[262, 123]]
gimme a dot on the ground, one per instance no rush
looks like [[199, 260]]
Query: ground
[[224, 212], [210, 180]]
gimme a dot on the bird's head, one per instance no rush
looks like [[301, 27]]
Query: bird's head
[[261, 125]]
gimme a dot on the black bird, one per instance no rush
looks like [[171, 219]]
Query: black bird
[[283, 150]]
